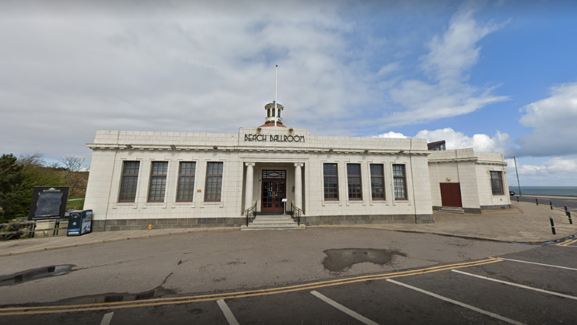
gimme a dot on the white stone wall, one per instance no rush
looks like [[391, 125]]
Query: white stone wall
[[471, 170], [104, 185], [418, 195], [112, 148], [486, 196]]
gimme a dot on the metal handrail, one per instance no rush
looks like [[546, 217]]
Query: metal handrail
[[249, 211], [30, 228], [296, 213]]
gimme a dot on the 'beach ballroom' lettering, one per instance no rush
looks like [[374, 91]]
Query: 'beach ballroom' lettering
[[274, 138]]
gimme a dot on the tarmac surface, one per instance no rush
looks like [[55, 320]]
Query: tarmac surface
[[502, 266], [523, 223]]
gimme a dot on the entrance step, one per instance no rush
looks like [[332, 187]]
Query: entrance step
[[452, 210], [272, 222]]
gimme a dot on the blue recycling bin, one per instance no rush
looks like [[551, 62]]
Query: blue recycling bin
[[80, 222]]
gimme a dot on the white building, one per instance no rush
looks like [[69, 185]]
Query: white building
[[174, 180], [472, 180]]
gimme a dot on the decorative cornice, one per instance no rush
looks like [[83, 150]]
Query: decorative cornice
[[160, 147]]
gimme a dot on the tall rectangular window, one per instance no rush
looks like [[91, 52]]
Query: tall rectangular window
[[185, 188], [497, 183], [354, 180], [213, 187], [331, 181], [157, 181], [400, 182], [377, 182], [129, 181]]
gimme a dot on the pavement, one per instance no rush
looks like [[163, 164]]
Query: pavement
[[523, 223]]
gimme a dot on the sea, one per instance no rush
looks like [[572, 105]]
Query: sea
[[546, 190]]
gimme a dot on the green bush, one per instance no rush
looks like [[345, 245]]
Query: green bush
[[19, 176]]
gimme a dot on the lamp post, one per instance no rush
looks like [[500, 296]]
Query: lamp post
[[517, 172]]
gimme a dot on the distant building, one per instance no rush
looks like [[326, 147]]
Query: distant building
[[437, 145], [180, 179]]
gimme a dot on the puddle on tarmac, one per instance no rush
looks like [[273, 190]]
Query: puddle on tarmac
[[339, 260], [113, 297], [34, 274]]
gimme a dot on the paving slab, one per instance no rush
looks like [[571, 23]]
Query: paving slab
[[524, 223]]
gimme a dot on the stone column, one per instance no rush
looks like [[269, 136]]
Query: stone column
[[298, 186], [249, 185]]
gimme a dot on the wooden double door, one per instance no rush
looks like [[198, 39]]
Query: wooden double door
[[273, 190], [451, 195]]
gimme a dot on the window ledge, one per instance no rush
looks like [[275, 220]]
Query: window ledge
[[219, 204], [124, 204], [182, 205], [379, 202], [154, 205]]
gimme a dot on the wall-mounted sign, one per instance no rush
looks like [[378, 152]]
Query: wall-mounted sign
[[274, 138]]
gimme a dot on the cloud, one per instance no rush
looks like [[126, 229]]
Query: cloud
[[392, 134], [458, 140], [388, 69], [203, 67], [447, 92], [553, 122], [553, 172]]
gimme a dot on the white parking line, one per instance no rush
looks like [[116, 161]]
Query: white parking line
[[344, 309], [549, 265], [458, 303], [106, 319], [517, 285], [227, 313]]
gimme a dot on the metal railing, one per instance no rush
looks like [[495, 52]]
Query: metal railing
[[28, 229], [250, 212], [296, 213]]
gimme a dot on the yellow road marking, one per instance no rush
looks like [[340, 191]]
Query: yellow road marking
[[338, 281], [568, 242], [363, 278], [11, 311]]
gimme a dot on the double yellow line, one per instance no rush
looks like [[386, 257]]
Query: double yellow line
[[33, 310], [568, 242]]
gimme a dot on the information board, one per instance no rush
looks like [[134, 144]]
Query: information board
[[48, 202]]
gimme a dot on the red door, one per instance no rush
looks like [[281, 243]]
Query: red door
[[273, 190], [451, 195]]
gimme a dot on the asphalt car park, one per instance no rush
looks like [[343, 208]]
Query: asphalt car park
[[535, 286]]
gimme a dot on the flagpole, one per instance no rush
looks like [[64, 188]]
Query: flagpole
[[275, 96]]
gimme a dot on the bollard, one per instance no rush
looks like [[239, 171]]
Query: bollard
[[569, 216], [552, 226], [536, 202], [517, 198], [566, 209], [551, 204]]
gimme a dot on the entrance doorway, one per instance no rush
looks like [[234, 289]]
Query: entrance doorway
[[451, 195], [273, 190]]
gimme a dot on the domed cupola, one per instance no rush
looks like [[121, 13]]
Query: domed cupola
[[274, 109], [273, 113]]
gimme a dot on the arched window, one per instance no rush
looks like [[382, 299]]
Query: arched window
[[268, 112]]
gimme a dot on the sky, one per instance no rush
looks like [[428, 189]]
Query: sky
[[497, 76]]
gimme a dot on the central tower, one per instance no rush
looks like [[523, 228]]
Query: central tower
[[274, 109], [273, 113]]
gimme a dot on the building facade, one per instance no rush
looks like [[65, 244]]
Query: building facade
[[474, 181], [171, 180]]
